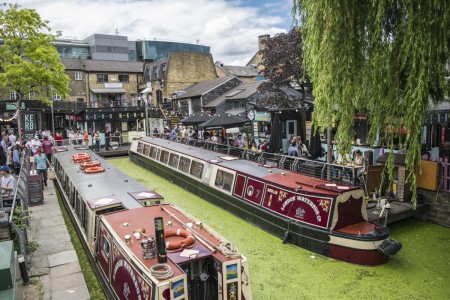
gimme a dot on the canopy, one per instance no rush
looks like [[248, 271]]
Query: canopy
[[146, 90], [224, 121], [275, 142], [196, 119], [109, 91], [315, 144]]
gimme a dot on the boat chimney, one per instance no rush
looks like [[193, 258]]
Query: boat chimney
[[160, 242]]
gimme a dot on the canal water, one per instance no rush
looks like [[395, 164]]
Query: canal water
[[421, 270]]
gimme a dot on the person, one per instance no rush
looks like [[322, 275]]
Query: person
[[12, 138], [8, 182], [47, 148], [59, 139], [359, 163], [80, 138], [72, 138], [174, 134], [86, 138], [264, 146], [240, 141], [28, 146], [96, 140], [117, 136], [17, 152], [293, 150], [3, 157], [302, 148], [251, 142], [35, 144], [107, 138], [40, 164]]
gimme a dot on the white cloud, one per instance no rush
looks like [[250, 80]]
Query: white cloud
[[230, 28]]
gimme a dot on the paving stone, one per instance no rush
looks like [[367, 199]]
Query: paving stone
[[53, 239], [66, 269], [46, 286], [51, 221], [62, 258], [42, 214], [39, 261], [54, 248], [67, 282], [46, 207], [38, 271], [76, 293]]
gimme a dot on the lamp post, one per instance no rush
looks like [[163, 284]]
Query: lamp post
[[53, 120], [146, 116]]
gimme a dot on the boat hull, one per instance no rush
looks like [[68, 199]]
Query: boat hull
[[308, 237]]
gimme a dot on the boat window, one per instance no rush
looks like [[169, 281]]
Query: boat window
[[147, 150], [140, 147], [153, 152], [197, 169], [78, 206], [105, 246], [164, 158], [185, 163], [224, 180], [84, 214], [173, 160]]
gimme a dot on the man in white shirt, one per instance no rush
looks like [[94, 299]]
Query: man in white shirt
[[35, 144], [8, 182]]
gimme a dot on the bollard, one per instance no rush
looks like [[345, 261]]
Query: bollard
[[23, 269]]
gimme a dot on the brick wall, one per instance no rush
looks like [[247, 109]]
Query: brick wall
[[439, 207]]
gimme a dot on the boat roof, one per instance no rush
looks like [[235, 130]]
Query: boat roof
[[100, 189], [284, 178], [142, 219]]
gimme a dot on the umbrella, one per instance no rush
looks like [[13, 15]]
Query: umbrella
[[224, 121], [275, 143], [315, 144], [196, 119]]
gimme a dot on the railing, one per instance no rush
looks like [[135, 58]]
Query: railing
[[303, 165]]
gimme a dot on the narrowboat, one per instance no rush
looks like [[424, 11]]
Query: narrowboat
[[140, 247], [322, 216]]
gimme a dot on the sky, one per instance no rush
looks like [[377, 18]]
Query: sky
[[230, 27]]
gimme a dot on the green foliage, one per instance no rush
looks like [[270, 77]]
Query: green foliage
[[29, 61], [20, 219], [382, 58]]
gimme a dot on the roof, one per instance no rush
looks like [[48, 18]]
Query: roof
[[242, 91], [201, 88], [102, 65], [246, 71]]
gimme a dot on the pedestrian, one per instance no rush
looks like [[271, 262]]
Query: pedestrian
[[72, 138], [3, 158], [117, 137], [17, 153], [8, 182], [107, 138], [96, 141], [86, 138], [59, 139], [80, 138], [40, 164], [47, 148]]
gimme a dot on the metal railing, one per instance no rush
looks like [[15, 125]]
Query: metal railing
[[327, 171]]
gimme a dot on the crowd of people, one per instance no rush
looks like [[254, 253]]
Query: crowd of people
[[188, 135]]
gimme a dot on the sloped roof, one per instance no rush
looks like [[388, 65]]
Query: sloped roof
[[102, 65], [242, 91], [201, 88], [246, 71]]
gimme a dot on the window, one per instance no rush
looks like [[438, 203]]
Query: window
[[146, 149], [185, 163], [173, 160], [224, 180], [140, 147], [163, 70], [32, 94], [102, 77], [105, 246], [13, 95], [78, 76], [55, 95], [124, 78], [155, 73], [153, 152], [197, 169], [164, 158]]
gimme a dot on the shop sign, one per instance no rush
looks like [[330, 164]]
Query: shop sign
[[251, 115], [98, 116], [130, 115], [13, 105], [262, 116], [110, 85], [29, 124]]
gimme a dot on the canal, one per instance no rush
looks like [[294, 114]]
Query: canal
[[286, 272]]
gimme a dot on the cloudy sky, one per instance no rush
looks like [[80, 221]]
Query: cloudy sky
[[230, 27]]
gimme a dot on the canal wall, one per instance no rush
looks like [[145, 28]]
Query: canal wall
[[439, 207]]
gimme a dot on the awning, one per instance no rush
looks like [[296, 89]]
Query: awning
[[108, 91], [146, 90]]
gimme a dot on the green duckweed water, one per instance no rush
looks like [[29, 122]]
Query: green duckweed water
[[421, 270]]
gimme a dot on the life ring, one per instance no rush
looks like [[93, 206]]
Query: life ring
[[93, 170], [80, 155], [89, 164], [188, 240], [81, 159]]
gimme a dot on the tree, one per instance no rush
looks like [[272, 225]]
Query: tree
[[385, 58], [29, 62], [282, 58]]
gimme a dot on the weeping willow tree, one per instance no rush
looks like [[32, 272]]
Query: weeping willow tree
[[384, 58]]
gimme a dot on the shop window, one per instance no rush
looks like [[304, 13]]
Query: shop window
[[185, 163], [102, 77], [224, 180], [124, 78], [197, 169]]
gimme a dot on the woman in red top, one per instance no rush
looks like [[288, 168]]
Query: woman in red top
[[59, 139]]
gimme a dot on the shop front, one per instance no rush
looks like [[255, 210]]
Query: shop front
[[260, 124]]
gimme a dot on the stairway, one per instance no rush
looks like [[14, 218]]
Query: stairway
[[174, 119]]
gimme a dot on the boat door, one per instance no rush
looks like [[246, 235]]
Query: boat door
[[230, 279], [291, 130]]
